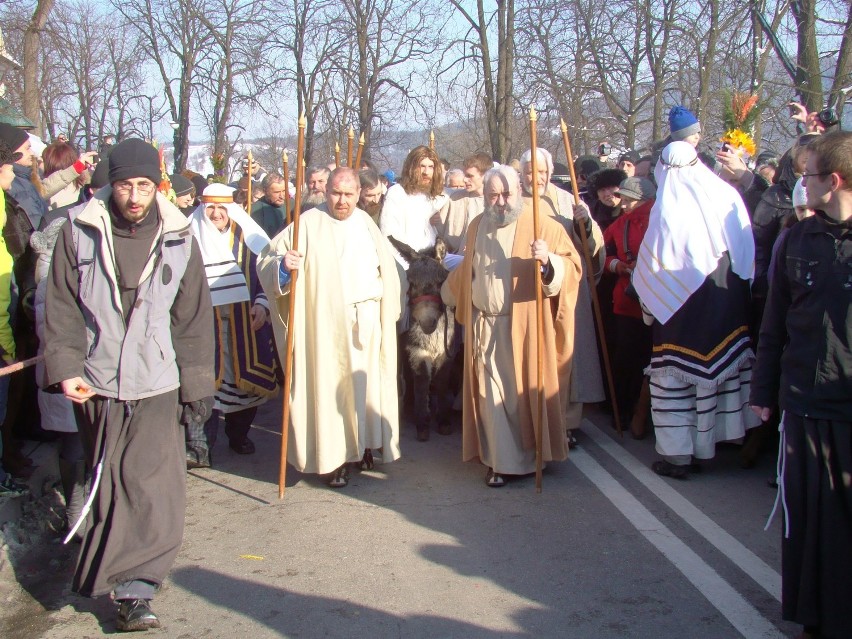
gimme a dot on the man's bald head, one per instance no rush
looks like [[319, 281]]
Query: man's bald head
[[342, 192]]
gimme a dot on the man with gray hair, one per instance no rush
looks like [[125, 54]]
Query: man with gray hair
[[316, 183], [493, 290], [585, 385], [270, 211]]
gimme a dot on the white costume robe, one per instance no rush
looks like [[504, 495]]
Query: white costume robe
[[344, 383]]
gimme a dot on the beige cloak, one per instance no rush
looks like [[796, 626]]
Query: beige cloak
[[455, 216], [586, 381], [558, 337], [324, 421]]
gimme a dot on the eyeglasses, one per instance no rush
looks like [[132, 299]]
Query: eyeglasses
[[125, 188], [804, 175]]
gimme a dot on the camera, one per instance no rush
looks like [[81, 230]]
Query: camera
[[604, 149], [828, 117]]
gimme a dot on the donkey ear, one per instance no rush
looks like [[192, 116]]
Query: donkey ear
[[440, 249], [404, 249]]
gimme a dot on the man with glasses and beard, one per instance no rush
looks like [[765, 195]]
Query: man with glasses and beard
[[493, 290], [128, 334]]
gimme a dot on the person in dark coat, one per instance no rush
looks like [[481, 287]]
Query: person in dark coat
[[129, 340], [804, 365], [270, 211]]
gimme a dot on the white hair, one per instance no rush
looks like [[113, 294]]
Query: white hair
[[502, 171], [542, 155]]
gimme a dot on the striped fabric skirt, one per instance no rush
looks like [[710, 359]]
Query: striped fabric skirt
[[229, 397], [690, 419]]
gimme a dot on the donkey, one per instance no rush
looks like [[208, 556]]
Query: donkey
[[429, 341]]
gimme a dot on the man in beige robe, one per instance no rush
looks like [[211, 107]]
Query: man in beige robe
[[343, 392], [493, 291], [585, 384], [452, 220]]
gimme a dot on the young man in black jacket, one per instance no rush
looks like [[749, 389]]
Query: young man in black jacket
[[804, 364]]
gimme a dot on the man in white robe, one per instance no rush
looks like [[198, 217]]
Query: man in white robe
[[344, 402]]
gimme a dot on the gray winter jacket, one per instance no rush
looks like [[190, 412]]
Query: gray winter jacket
[[166, 341]]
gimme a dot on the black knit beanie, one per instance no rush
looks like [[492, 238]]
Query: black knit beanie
[[100, 176], [181, 185], [134, 158], [12, 136]]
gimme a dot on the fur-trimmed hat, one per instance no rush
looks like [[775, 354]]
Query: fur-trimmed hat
[[605, 178], [134, 158], [682, 123]]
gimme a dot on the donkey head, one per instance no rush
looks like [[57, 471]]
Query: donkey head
[[426, 273]]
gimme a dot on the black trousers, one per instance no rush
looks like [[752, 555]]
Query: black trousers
[[631, 355], [816, 559], [237, 427]]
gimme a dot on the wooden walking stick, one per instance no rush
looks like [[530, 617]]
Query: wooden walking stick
[[294, 279], [360, 152], [248, 186], [337, 155], [590, 274], [286, 170], [539, 307], [349, 143]]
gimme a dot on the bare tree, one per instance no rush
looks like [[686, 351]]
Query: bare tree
[[32, 39], [175, 53], [498, 84]]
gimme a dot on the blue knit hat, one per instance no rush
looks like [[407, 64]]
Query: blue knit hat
[[682, 123]]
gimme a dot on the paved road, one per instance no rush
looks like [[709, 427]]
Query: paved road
[[422, 548]]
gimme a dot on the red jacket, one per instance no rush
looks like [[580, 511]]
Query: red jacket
[[637, 224]]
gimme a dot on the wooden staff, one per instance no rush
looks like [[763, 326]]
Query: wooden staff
[[294, 279], [349, 143], [336, 154], [286, 170], [432, 140], [590, 274], [248, 192], [539, 307], [19, 366], [360, 152]]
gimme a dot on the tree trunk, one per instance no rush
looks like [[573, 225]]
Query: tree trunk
[[32, 40], [808, 73]]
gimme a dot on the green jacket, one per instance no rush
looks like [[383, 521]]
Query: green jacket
[[7, 341]]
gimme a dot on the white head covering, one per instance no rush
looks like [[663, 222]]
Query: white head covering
[[696, 218], [226, 280], [800, 194]]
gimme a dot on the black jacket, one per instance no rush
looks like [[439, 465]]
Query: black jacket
[[804, 357]]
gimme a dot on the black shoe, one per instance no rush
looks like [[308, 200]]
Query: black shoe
[[242, 447], [135, 614], [667, 469]]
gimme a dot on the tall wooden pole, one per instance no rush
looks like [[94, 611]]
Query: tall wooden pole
[[294, 279], [590, 274], [360, 152], [350, 141], [286, 169], [248, 186], [337, 154], [432, 140], [539, 307]]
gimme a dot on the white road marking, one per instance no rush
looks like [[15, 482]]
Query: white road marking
[[762, 573], [733, 606]]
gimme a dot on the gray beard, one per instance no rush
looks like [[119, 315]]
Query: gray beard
[[510, 213], [314, 199]]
